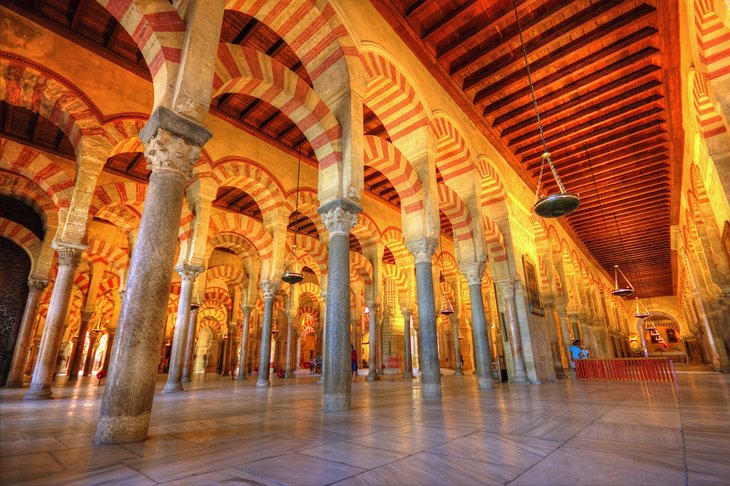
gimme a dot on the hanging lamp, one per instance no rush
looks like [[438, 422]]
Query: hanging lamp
[[447, 307], [626, 291], [641, 313], [552, 205], [293, 275]]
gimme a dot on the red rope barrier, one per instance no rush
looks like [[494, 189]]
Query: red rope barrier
[[627, 369]]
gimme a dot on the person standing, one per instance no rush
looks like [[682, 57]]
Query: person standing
[[575, 354], [353, 359]]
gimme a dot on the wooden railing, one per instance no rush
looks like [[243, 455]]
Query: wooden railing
[[627, 369]]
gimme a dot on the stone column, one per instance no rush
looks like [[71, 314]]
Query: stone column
[[288, 373], [40, 383], [190, 345], [242, 374], [109, 345], [89, 361], [339, 217], [173, 145], [323, 349], [75, 360], [454, 321], [507, 288], [182, 323], [560, 372], [422, 251], [23, 343], [269, 288], [474, 272], [408, 357], [374, 346]]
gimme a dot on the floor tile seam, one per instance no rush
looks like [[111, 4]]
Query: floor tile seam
[[681, 431], [563, 443], [263, 478]]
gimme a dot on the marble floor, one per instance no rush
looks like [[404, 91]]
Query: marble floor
[[229, 432]]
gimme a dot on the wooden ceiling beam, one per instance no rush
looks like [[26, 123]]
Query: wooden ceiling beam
[[455, 15]]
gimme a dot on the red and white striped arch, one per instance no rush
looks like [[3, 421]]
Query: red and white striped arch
[[713, 40], [100, 251], [495, 241], [253, 73], [392, 97], [125, 216], [20, 188], [313, 248], [249, 228], [117, 193], [384, 157], [157, 29], [313, 292], [109, 282], [453, 158], [45, 173], [397, 275], [366, 232], [234, 241], [308, 204], [21, 236], [393, 239], [228, 273], [362, 266], [492, 189], [709, 121], [218, 295], [455, 209], [253, 179]]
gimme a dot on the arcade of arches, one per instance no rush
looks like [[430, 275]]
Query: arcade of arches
[[162, 163]]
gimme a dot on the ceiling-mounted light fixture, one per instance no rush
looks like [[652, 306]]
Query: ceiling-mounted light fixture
[[293, 275], [641, 313], [447, 307], [552, 205], [624, 291]]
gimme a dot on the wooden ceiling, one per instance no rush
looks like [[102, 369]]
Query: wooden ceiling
[[600, 71]]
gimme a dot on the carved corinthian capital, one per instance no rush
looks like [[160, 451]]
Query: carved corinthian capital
[[37, 284], [167, 152], [473, 272], [339, 216], [188, 272], [269, 288], [68, 257], [422, 249], [506, 288]]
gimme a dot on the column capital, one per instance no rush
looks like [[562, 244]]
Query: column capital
[[167, 152], [507, 288], [406, 311], [422, 249], [246, 309], [86, 315], [473, 272], [188, 272], [372, 306], [339, 216], [69, 255], [36, 284], [269, 288]]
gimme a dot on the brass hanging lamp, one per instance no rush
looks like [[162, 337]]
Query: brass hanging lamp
[[641, 313], [293, 275], [557, 204], [447, 308], [624, 291]]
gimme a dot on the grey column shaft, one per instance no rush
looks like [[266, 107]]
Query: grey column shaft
[[22, 345], [265, 355], [324, 341], [480, 336], [518, 358], [180, 338], [337, 374], [289, 347], [243, 362], [88, 362], [75, 361], [130, 386], [372, 365], [408, 365], [109, 347], [40, 383], [430, 370], [190, 345], [455, 341]]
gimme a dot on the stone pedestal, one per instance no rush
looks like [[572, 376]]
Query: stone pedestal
[[182, 323], [269, 289], [507, 288], [190, 346], [75, 360], [339, 217], [130, 386], [422, 250], [474, 272], [374, 346], [40, 384], [408, 357], [23, 343], [243, 358]]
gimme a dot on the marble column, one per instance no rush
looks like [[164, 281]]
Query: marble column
[[40, 383], [560, 372], [288, 373], [454, 321], [507, 288], [374, 347], [75, 360], [422, 250], [242, 373], [269, 288], [474, 272], [187, 274], [323, 349], [190, 345], [173, 145], [23, 343], [339, 217], [109, 345], [408, 357], [89, 361]]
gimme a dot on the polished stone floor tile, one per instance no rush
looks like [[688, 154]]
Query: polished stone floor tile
[[301, 470], [397, 443], [354, 455], [229, 476]]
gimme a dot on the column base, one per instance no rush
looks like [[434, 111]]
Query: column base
[[122, 430], [458, 373], [372, 377], [485, 384], [408, 375], [520, 379], [43, 394], [289, 375], [242, 378], [431, 390], [263, 384], [14, 384], [173, 387], [321, 380], [337, 402], [187, 380]]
